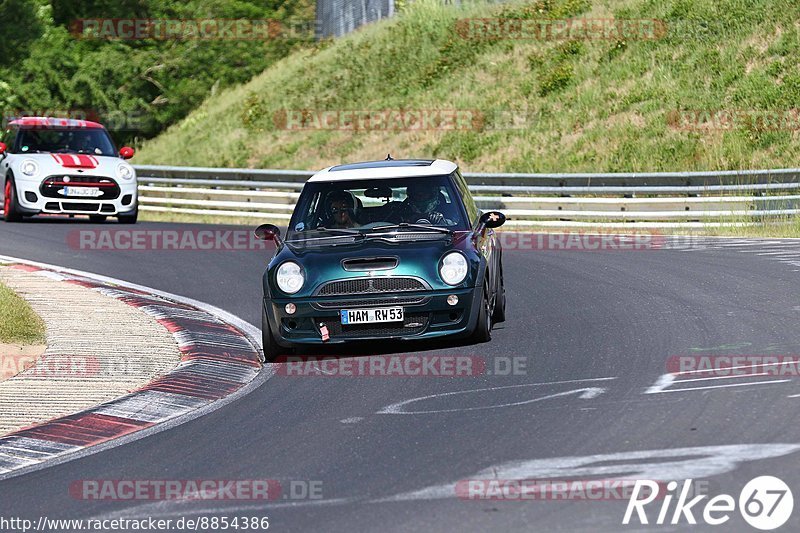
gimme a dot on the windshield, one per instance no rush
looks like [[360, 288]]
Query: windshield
[[94, 141], [382, 204]]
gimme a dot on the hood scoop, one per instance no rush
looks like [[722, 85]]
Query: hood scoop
[[364, 264]]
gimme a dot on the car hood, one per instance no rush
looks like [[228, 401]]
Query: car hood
[[420, 259], [74, 164]]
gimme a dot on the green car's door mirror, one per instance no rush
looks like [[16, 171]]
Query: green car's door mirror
[[492, 219], [269, 232]]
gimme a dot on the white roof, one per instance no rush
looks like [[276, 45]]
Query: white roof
[[384, 170]]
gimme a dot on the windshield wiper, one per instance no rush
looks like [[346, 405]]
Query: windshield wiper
[[345, 231], [414, 226]]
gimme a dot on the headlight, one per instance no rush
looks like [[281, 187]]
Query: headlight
[[290, 277], [454, 268], [29, 167], [125, 172]]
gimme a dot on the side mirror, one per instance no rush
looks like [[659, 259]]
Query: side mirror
[[269, 232], [3, 148], [492, 219], [126, 152]]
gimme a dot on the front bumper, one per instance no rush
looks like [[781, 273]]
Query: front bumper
[[427, 315], [33, 198]]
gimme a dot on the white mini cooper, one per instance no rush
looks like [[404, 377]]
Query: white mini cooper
[[55, 165]]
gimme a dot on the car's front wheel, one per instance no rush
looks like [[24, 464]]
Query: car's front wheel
[[272, 350], [483, 327], [129, 218], [499, 314], [11, 211]]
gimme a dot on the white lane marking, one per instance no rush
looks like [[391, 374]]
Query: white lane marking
[[664, 381], [677, 463], [253, 333], [685, 463], [726, 386], [794, 396], [725, 377], [586, 393], [782, 252], [352, 420]]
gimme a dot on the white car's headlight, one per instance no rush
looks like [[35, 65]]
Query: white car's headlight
[[454, 268], [29, 167], [290, 277], [125, 172]]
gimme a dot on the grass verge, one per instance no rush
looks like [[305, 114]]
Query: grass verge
[[18, 322]]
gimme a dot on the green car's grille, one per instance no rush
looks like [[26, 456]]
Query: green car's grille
[[412, 324], [371, 302], [370, 285]]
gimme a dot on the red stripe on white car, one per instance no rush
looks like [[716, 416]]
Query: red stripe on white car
[[76, 160]]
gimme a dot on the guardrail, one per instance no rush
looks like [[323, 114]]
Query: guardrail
[[608, 199]]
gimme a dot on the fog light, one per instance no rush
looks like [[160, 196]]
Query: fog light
[[290, 309], [452, 299]]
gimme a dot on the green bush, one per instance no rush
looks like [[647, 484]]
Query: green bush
[[138, 87]]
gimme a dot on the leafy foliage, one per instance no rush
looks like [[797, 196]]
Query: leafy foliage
[[136, 87]]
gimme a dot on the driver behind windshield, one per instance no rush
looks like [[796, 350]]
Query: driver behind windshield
[[421, 206], [83, 144], [340, 210]]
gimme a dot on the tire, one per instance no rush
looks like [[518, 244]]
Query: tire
[[129, 219], [272, 350], [97, 218], [11, 211], [499, 314], [483, 327]]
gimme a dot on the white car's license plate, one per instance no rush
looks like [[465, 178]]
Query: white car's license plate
[[366, 316], [90, 192]]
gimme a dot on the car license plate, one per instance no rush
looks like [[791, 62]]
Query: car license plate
[[87, 192], [366, 316]]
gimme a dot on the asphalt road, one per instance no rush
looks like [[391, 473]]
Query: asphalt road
[[595, 331]]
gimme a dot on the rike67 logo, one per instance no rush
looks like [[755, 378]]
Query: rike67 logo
[[765, 503]]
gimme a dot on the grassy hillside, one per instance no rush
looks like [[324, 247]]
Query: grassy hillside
[[582, 105]]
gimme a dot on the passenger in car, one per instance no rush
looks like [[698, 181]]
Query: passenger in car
[[340, 210]]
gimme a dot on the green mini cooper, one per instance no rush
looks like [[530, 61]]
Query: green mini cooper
[[393, 249]]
